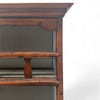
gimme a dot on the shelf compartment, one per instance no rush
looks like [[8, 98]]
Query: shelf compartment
[[22, 76], [36, 63], [31, 54], [16, 71], [19, 73], [28, 93], [28, 81], [26, 38]]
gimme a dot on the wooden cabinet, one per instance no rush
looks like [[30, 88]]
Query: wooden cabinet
[[31, 51]]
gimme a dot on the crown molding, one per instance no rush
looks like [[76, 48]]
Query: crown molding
[[34, 10]]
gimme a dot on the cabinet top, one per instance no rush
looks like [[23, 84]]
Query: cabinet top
[[34, 10]]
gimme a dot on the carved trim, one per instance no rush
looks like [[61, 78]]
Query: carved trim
[[48, 24]]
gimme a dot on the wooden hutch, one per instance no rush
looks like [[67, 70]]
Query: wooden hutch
[[31, 51]]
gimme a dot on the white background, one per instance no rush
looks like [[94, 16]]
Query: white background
[[81, 45]]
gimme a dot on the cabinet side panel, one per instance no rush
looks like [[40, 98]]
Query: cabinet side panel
[[59, 61]]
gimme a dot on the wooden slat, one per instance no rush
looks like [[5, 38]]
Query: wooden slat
[[28, 54], [28, 82]]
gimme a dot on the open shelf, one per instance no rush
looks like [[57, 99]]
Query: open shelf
[[28, 81], [19, 73], [26, 54], [31, 36]]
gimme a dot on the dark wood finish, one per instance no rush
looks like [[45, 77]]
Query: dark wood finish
[[28, 82], [37, 10], [48, 16], [28, 68], [59, 61], [28, 54], [48, 24]]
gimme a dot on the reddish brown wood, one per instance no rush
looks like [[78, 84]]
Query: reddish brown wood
[[59, 61], [48, 24], [28, 68], [28, 82], [53, 10], [28, 54], [35, 5], [48, 16]]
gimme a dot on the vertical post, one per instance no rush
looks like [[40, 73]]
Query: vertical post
[[59, 60], [28, 68]]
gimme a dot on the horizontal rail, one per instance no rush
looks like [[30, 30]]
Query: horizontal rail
[[28, 82], [31, 54]]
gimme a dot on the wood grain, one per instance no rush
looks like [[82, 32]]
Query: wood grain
[[24, 54], [28, 82], [47, 24], [48, 16], [27, 68], [59, 61], [39, 10]]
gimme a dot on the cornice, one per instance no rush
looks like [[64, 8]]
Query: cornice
[[34, 10]]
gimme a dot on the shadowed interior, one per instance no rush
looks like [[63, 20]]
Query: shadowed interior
[[26, 38], [28, 93]]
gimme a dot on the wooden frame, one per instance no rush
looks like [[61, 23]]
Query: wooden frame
[[24, 54], [48, 16], [28, 82]]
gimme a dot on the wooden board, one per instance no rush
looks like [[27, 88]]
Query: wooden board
[[28, 82]]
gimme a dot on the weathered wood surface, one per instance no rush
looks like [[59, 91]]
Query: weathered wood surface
[[48, 16], [36, 10], [24, 54], [27, 68], [28, 82], [59, 61]]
